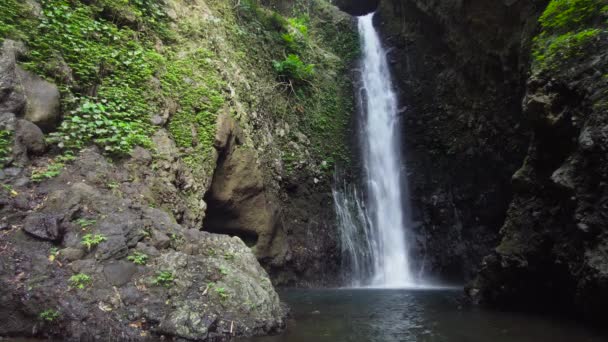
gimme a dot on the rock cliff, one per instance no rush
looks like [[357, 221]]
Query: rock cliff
[[154, 154]]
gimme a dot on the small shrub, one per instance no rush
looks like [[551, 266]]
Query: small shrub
[[164, 278], [92, 240], [49, 315], [293, 68], [138, 258], [80, 281], [300, 24]]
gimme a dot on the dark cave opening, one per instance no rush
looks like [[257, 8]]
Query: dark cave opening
[[357, 7]]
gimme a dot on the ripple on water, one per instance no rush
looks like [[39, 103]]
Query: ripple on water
[[416, 315]]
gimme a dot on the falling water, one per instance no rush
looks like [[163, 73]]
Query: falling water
[[384, 218]]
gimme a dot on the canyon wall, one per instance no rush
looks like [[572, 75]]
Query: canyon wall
[[460, 69]]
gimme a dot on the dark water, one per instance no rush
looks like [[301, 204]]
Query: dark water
[[412, 315]]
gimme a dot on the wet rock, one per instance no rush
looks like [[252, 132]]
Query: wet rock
[[119, 273], [12, 97], [114, 247], [70, 254], [30, 136], [42, 105], [43, 226]]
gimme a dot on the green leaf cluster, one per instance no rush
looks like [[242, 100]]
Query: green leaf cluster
[[49, 315], [138, 258], [92, 240], [569, 27], [114, 125], [80, 281], [164, 278], [50, 171], [292, 68]]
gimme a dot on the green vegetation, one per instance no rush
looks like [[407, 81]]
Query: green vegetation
[[118, 63], [54, 251], [103, 67], [222, 293], [80, 281], [138, 258], [85, 223], [192, 79], [164, 278], [50, 171], [293, 69], [114, 125], [49, 315], [6, 145], [567, 15], [569, 27], [92, 240]]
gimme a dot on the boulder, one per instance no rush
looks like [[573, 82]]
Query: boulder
[[42, 100], [30, 137], [43, 226]]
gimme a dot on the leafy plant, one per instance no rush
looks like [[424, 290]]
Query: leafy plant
[[569, 28], [229, 256], [92, 240], [85, 223], [50, 171], [164, 278], [293, 68], [221, 292], [80, 281], [110, 124], [49, 315], [223, 271], [300, 24], [138, 258]]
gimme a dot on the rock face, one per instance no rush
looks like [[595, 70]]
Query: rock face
[[459, 68], [238, 202], [191, 284], [552, 255], [42, 100], [24, 93], [180, 169]]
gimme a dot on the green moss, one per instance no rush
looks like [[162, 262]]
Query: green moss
[[569, 29], [103, 69], [566, 15], [194, 82], [13, 15], [553, 49]]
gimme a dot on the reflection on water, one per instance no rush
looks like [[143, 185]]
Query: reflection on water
[[412, 315]]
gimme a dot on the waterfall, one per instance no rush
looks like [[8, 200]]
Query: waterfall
[[383, 219]]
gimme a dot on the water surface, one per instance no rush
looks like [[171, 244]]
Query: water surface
[[365, 315]]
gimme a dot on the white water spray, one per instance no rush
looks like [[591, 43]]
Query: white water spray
[[387, 205]]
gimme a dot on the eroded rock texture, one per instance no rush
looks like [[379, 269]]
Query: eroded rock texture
[[192, 284], [459, 68], [553, 252]]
